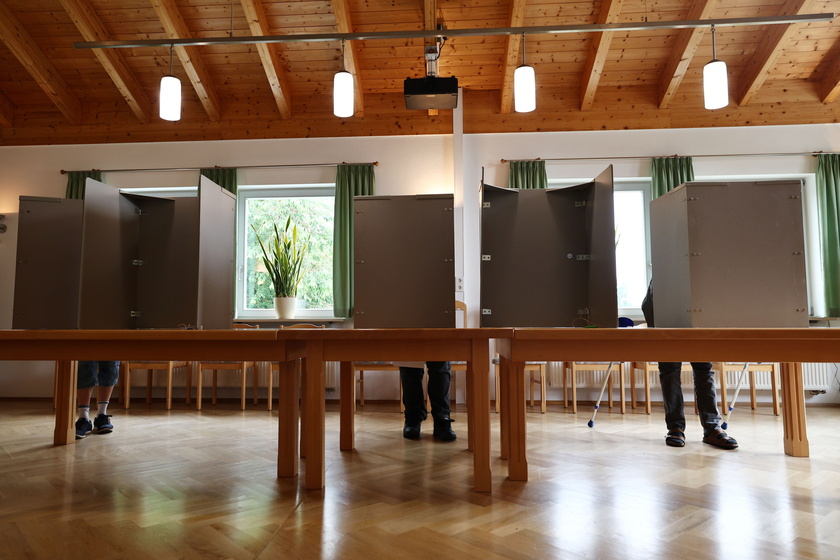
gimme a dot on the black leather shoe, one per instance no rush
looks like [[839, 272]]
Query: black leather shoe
[[411, 431], [443, 430]]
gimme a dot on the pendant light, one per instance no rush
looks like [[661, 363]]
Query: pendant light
[[524, 86], [715, 82], [344, 104], [170, 94]]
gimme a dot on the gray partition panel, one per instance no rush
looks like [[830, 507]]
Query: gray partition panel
[[540, 249], [48, 270], [168, 250], [739, 256], [108, 247], [216, 228], [404, 262]]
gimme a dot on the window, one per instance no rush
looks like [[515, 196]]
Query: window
[[311, 208]]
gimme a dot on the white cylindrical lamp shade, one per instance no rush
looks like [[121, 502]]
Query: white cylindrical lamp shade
[[524, 89], [170, 98], [715, 85], [343, 95]]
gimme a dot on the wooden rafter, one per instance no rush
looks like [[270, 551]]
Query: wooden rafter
[[683, 52], [600, 46], [36, 63], [513, 55], [829, 84], [430, 23], [7, 111], [768, 51], [90, 26], [190, 57], [270, 57], [344, 24]]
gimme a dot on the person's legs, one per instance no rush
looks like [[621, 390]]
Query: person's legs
[[706, 395], [672, 399], [87, 380], [440, 380], [108, 376], [413, 401]]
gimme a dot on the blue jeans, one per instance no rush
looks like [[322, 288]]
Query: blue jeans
[[440, 378], [704, 394], [98, 374]]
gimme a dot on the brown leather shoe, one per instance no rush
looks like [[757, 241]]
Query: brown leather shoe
[[719, 438]]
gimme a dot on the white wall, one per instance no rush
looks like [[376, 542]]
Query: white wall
[[407, 165]]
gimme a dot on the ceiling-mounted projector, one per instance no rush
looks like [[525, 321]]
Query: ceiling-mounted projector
[[431, 92]]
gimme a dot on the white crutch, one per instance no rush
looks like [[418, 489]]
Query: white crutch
[[725, 423], [601, 396]]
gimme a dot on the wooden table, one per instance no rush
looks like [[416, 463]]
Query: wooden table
[[789, 347], [351, 345], [68, 346]]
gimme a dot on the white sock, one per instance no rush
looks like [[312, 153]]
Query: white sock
[[84, 412], [103, 407]]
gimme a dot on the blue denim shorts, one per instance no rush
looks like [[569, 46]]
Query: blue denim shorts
[[102, 374]]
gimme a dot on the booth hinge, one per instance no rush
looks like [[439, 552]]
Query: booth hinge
[[485, 257], [486, 312], [136, 314], [485, 205], [583, 257], [138, 211], [137, 262], [580, 203]]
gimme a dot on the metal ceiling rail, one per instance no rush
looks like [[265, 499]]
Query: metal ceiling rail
[[269, 166], [447, 33]]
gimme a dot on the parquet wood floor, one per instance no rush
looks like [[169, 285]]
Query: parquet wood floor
[[187, 485]]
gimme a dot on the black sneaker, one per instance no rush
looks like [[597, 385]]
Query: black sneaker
[[411, 431], [83, 428], [443, 430], [101, 424]]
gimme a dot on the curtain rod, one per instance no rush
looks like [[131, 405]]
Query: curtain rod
[[63, 171], [815, 154]]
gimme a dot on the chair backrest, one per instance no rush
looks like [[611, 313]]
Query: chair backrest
[[245, 326], [460, 305], [303, 326]]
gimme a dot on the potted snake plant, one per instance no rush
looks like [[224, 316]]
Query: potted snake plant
[[283, 259]]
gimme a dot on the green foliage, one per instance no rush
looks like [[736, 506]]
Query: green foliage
[[313, 218], [283, 259]]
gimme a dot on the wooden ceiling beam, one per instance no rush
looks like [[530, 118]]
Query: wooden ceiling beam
[[269, 55], [513, 54], [90, 26], [7, 111], [683, 52], [344, 24], [176, 28], [36, 63], [768, 51], [829, 84], [430, 24], [598, 50]]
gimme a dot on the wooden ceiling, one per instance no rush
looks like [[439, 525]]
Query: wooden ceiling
[[54, 93]]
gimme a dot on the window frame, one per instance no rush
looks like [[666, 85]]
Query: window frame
[[245, 193]]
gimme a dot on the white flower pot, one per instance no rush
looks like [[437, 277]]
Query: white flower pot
[[285, 307]]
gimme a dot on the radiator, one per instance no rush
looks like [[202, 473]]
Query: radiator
[[331, 375], [816, 377]]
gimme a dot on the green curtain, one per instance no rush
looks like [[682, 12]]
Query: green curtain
[[76, 182], [828, 202], [668, 173], [527, 175], [225, 177], [350, 180]]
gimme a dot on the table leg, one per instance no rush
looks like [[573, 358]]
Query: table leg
[[515, 404], [347, 404], [65, 402], [470, 397], [504, 410], [479, 414], [289, 412], [314, 412], [793, 410]]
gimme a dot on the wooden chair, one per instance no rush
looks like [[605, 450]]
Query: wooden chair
[[536, 376], [215, 366], [151, 366], [752, 368], [570, 376]]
